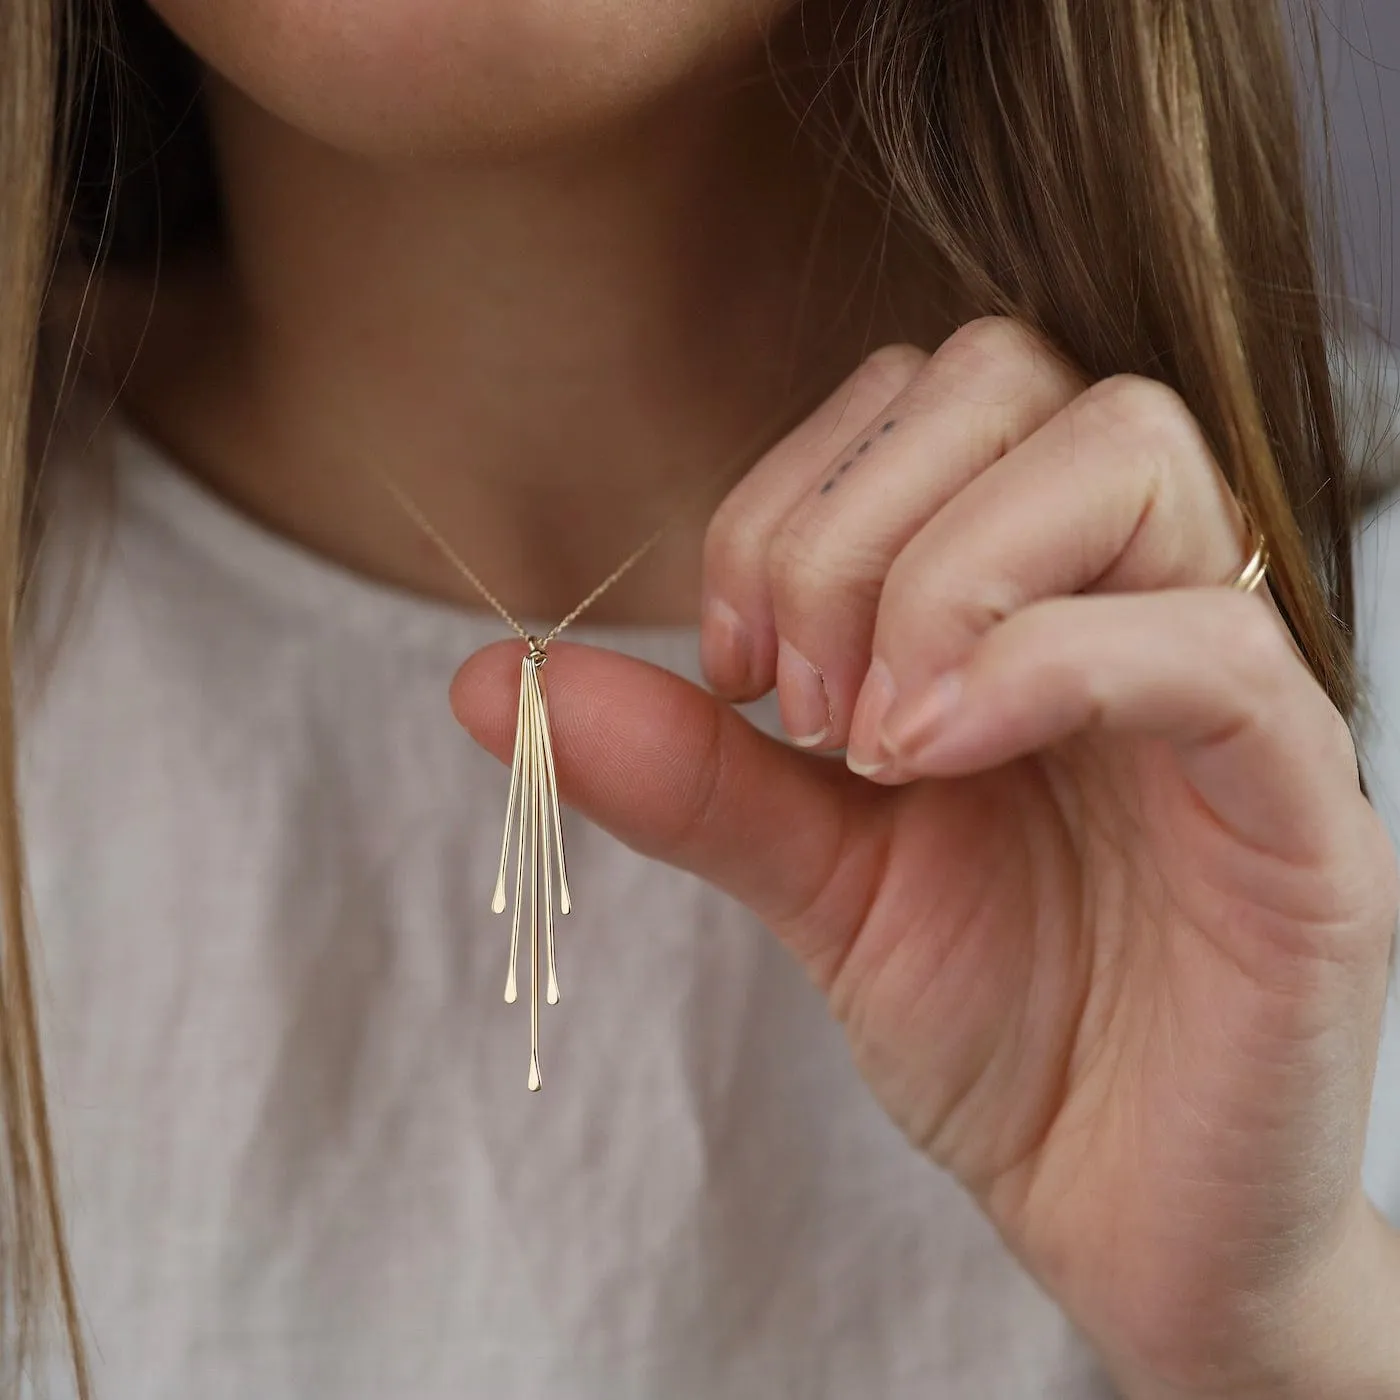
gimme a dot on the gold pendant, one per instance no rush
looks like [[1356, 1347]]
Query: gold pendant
[[534, 801]]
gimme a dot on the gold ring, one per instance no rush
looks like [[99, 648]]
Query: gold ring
[[1252, 575]]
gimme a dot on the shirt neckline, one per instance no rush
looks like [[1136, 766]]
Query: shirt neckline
[[153, 485]]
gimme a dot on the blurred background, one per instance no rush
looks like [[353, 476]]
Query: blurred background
[[1360, 68], [1360, 71]]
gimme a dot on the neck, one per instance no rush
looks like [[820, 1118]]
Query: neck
[[547, 350]]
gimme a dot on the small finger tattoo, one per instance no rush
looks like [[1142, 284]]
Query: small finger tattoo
[[851, 461], [837, 474]]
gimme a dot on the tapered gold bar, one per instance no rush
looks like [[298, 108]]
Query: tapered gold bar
[[542, 797], [565, 904], [521, 788], [549, 814], [498, 899], [532, 794]]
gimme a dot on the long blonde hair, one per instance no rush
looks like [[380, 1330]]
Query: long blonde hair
[[1126, 177]]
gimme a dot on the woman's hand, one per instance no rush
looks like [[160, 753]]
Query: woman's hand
[[1101, 906]]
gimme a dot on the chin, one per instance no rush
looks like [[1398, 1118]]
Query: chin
[[430, 79]]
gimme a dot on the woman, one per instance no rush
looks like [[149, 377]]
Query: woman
[[1015, 306]]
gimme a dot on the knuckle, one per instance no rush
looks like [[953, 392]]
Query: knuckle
[[1144, 410], [998, 365], [988, 345], [891, 367]]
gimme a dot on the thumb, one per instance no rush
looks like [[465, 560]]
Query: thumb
[[679, 775]]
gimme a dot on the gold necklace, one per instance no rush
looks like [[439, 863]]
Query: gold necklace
[[532, 806]]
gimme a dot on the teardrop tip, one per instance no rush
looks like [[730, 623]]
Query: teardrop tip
[[534, 1079], [510, 992], [498, 902]]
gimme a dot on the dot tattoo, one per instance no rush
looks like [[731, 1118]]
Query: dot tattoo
[[851, 461], [837, 474]]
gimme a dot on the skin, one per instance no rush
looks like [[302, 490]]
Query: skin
[[1107, 923], [440, 79], [1107, 920], [552, 323]]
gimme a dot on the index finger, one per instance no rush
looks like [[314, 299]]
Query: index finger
[[736, 540]]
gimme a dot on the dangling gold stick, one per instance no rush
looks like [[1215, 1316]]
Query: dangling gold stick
[[565, 904], [532, 796], [498, 899], [533, 802], [549, 808], [542, 815]]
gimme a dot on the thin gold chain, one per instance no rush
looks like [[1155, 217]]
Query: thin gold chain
[[411, 508], [606, 584]]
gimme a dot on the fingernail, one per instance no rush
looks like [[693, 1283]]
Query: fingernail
[[863, 754], [802, 698], [726, 648], [907, 730]]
